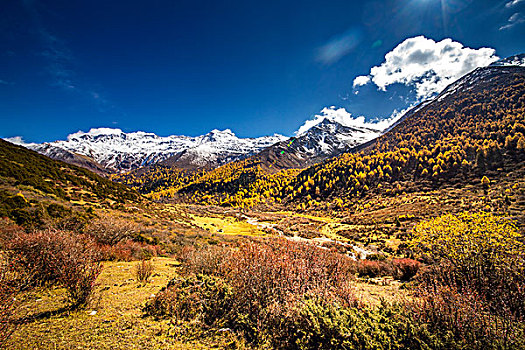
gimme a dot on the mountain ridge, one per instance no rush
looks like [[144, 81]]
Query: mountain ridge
[[110, 150]]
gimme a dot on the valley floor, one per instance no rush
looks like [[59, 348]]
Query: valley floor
[[115, 320]]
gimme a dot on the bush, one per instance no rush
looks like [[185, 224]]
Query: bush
[[374, 268], [55, 257], [268, 272], [143, 271], [368, 268], [110, 230], [287, 295], [405, 269], [127, 251], [463, 320], [314, 323], [207, 299], [17, 201], [473, 294], [58, 211], [479, 253], [206, 260], [242, 286], [30, 217]]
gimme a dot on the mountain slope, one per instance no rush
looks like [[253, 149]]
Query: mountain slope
[[326, 139], [61, 154], [474, 128], [44, 178]]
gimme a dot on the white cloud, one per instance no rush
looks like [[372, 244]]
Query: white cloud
[[343, 117], [361, 80], [513, 3], [339, 46], [514, 20], [427, 65], [18, 140]]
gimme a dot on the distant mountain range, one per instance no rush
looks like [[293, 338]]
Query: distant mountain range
[[107, 150], [112, 150]]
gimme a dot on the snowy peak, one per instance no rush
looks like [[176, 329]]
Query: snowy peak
[[340, 116], [119, 151], [329, 137], [219, 135], [323, 137]]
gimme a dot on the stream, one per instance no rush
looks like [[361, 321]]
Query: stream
[[358, 252]]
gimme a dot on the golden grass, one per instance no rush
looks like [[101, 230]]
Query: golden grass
[[114, 319], [226, 225], [376, 290], [118, 322]]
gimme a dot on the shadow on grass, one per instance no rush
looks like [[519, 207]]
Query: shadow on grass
[[43, 315]]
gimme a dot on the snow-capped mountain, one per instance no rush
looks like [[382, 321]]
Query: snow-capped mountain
[[107, 149], [330, 137], [516, 60], [481, 74], [118, 151], [332, 132]]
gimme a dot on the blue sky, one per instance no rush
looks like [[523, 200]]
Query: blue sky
[[256, 67]]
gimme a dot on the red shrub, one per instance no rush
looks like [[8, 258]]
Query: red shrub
[[205, 260], [128, 251], [269, 272], [110, 229], [374, 268], [264, 276], [368, 268], [463, 317], [405, 269], [57, 258]]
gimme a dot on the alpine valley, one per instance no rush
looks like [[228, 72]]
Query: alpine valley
[[404, 233]]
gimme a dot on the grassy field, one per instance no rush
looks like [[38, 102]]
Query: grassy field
[[226, 225], [113, 320]]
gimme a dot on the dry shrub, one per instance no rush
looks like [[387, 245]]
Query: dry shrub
[[143, 271], [128, 251], [267, 271], [206, 299], [54, 257], [374, 268], [109, 229], [247, 287], [369, 268], [401, 269], [405, 269], [8, 229], [266, 274], [8, 302], [462, 320], [204, 260]]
